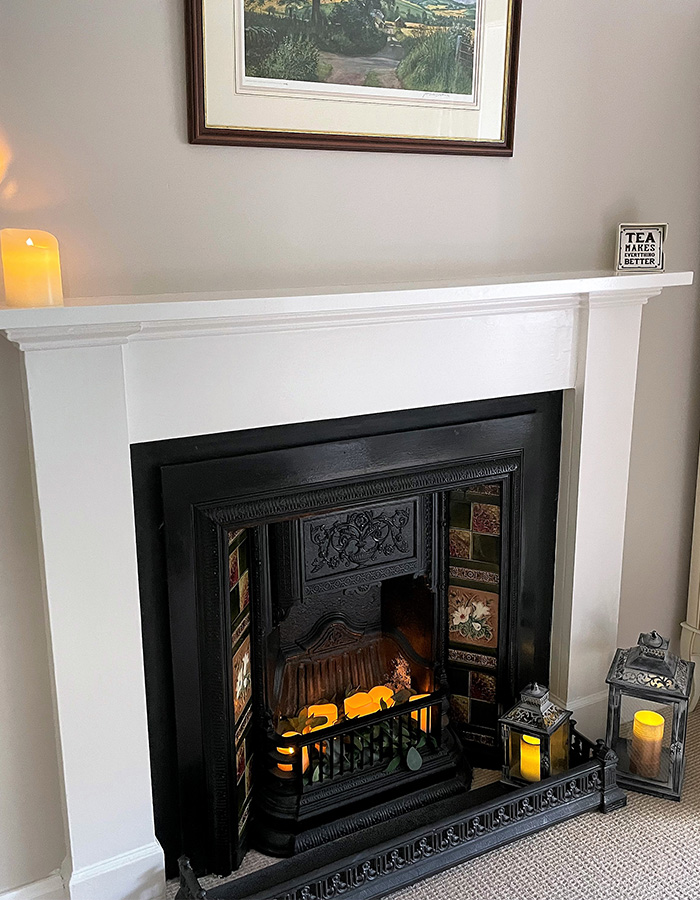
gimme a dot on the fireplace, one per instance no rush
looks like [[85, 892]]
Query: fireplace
[[348, 617], [155, 372]]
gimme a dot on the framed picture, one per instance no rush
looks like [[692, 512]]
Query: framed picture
[[413, 76]]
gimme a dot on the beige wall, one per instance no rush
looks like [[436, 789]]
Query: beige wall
[[93, 111]]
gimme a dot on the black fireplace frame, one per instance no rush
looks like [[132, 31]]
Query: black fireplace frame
[[208, 482]]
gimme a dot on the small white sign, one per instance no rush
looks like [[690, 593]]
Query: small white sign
[[641, 248]]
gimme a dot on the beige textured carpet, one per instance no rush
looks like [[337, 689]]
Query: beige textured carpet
[[648, 851]]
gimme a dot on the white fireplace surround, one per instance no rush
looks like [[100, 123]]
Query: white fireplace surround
[[102, 374]]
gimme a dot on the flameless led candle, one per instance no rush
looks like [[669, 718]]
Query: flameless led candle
[[647, 739], [360, 704], [420, 715], [329, 711], [31, 268], [530, 758], [290, 751], [380, 693]]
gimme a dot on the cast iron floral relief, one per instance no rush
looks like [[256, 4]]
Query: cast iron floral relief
[[359, 539]]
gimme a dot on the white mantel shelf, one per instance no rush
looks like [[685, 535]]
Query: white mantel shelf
[[103, 320], [103, 374]]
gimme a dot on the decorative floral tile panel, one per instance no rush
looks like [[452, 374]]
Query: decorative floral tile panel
[[476, 572], [482, 687], [460, 709], [233, 570], [473, 617], [460, 543], [469, 658], [486, 518], [242, 681], [240, 761], [238, 578], [244, 590]]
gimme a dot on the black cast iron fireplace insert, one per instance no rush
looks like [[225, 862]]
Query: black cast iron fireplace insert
[[285, 568]]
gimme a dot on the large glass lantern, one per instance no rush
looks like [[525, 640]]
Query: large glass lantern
[[647, 716], [536, 738]]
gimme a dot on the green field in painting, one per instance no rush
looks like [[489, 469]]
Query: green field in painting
[[400, 44]]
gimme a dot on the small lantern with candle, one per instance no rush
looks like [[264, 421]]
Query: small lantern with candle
[[536, 738], [649, 690]]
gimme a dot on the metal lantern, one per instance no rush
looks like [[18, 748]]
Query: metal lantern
[[536, 738], [647, 716]]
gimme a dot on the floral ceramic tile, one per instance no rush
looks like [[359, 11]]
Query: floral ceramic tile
[[486, 518], [469, 658], [482, 687], [242, 681], [239, 630], [242, 725], [460, 543], [460, 709], [478, 737], [234, 535], [471, 573], [244, 590], [240, 762], [243, 821], [233, 568], [473, 617]]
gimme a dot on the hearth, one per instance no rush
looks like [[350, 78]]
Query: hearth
[[350, 606]]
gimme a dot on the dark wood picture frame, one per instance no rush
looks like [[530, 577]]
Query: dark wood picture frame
[[201, 133]]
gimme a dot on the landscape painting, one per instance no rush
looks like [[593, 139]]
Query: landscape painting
[[374, 49], [407, 76]]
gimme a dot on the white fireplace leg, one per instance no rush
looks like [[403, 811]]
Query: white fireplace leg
[[79, 434], [596, 442]]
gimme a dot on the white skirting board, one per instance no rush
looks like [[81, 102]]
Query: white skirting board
[[136, 875], [51, 888]]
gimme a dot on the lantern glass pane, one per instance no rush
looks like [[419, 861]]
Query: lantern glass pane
[[559, 750], [644, 742]]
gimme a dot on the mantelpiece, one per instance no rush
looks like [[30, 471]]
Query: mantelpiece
[[104, 374]]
